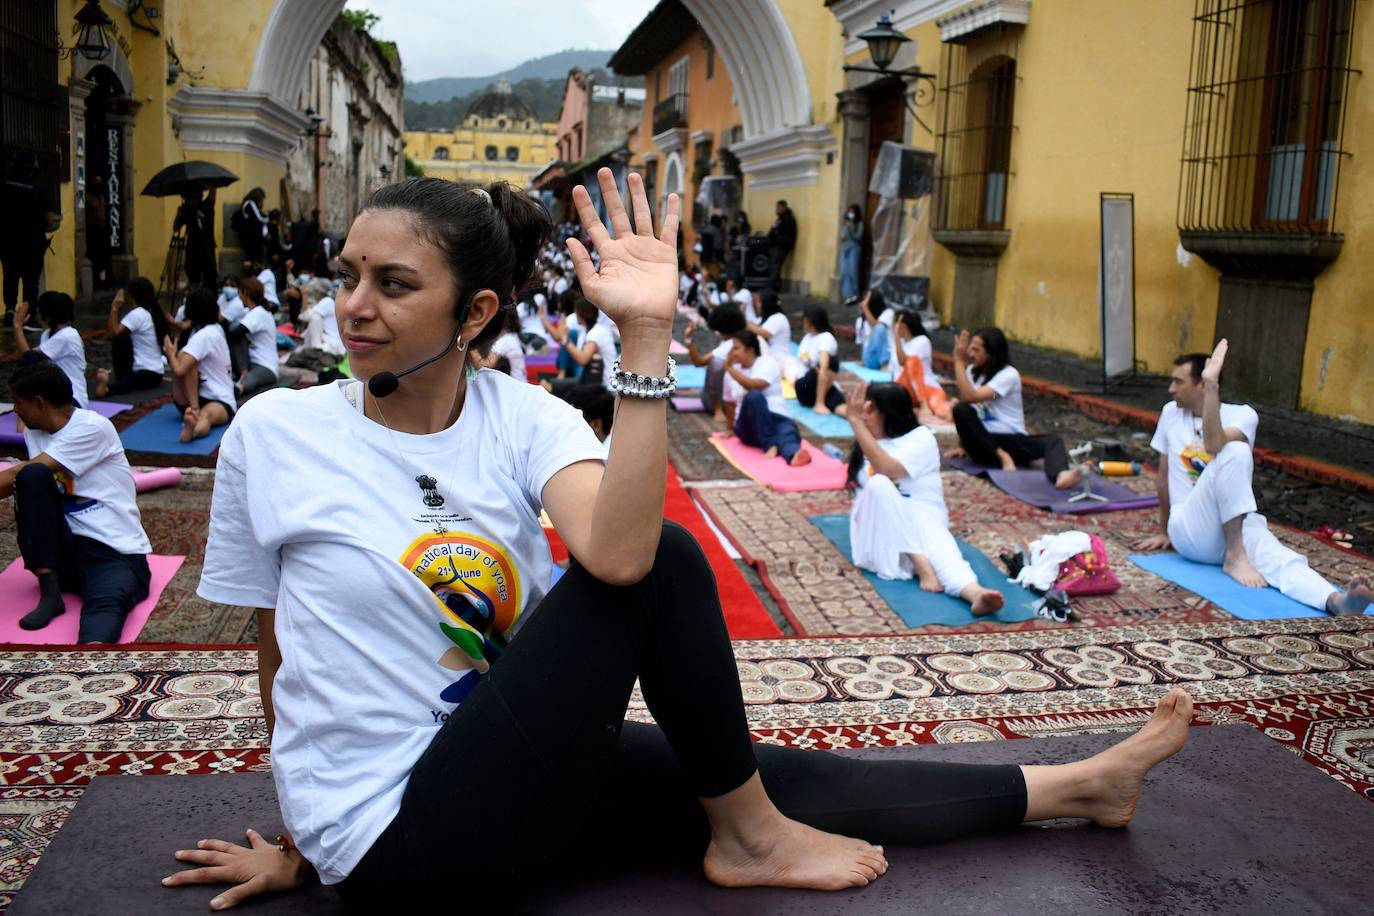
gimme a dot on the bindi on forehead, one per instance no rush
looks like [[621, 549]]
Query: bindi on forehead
[[364, 257]]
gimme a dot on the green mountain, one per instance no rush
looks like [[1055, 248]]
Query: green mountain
[[550, 66]]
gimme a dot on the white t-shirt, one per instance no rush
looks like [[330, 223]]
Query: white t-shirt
[[329, 325], [1003, 414], [269, 285], [920, 346], [745, 300], [780, 343], [531, 322], [230, 310], [143, 336], [101, 504], [601, 335], [262, 337], [1178, 439], [211, 351], [919, 454], [370, 545], [765, 367], [508, 345], [68, 353], [813, 345]]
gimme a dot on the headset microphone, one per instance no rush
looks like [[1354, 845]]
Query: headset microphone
[[385, 383]]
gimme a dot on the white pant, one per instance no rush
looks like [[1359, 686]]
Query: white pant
[[885, 528], [1224, 491]]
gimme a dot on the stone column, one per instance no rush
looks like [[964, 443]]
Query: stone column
[[77, 92], [854, 108], [975, 273]]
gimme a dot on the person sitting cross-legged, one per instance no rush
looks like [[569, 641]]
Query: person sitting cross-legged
[[202, 388], [74, 506], [259, 326], [134, 339], [727, 320], [761, 419], [899, 526], [819, 354], [1207, 498]]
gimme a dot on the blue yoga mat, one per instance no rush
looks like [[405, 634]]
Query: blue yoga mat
[[1223, 591], [691, 376], [160, 431], [865, 373], [918, 608], [827, 425]]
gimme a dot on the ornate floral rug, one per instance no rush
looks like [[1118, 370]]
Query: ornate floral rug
[[67, 716]]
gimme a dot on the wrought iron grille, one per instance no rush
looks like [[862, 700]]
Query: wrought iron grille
[[670, 113], [976, 125], [33, 114], [1267, 96]]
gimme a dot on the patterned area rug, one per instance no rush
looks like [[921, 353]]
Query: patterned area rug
[[68, 716], [822, 593]]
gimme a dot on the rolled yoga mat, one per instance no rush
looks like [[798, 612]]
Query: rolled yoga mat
[[144, 481], [19, 594], [1233, 824], [1223, 591]]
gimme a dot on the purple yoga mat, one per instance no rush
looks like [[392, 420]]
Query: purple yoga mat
[[1031, 486], [9, 436], [688, 405], [966, 464]]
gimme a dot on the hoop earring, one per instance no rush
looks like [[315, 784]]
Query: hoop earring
[[460, 346]]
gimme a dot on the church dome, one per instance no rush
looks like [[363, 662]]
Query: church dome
[[501, 103]]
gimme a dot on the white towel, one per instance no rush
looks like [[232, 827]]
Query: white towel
[[1047, 553]]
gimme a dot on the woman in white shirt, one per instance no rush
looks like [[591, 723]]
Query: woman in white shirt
[[819, 355], [59, 342], [136, 342], [259, 326], [507, 347], [203, 387], [989, 417], [439, 716], [899, 526], [777, 331], [917, 372]]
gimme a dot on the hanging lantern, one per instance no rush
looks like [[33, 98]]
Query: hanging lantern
[[92, 42], [883, 41]]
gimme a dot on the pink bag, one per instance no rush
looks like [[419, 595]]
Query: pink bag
[[1089, 573]]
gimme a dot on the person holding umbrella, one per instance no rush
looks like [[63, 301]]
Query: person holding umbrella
[[197, 215]]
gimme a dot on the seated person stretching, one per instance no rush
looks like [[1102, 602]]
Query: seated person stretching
[[899, 526], [989, 417], [819, 354], [727, 320], [59, 342], [415, 663], [202, 388], [761, 419], [74, 508], [917, 372], [135, 342], [1207, 498], [594, 357], [259, 326]]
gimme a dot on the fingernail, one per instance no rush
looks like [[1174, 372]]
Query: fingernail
[[167, 880], [216, 903]]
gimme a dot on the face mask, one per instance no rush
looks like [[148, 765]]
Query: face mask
[[230, 294]]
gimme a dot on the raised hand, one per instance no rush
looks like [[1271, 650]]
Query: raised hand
[[637, 282], [258, 868], [854, 402], [118, 301], [169, 348], [21, 315], [961, 345], [1211, 372]]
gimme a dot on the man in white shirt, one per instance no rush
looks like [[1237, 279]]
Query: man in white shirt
[[75, 511], [1206, 494], [762, 420]]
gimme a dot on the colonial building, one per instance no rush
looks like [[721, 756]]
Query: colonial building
[[501, 139], [162, 83]]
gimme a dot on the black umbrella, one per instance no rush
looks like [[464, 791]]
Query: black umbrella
[[183, 177]]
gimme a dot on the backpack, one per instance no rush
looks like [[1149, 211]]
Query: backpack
[[237, 221], [1088, 573]]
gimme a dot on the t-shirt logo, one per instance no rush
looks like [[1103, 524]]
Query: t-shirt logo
[[429, 490], [477, 589], [1195, 460]]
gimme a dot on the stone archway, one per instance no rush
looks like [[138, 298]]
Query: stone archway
[[293, 25], [672, 181]]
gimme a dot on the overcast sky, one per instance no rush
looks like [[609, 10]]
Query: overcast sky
[[483, 37]]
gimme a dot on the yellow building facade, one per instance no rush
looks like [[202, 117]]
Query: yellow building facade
[[500, 139]]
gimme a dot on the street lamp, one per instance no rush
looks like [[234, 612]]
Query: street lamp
[[315, 120], [91, 41], [883, 42]]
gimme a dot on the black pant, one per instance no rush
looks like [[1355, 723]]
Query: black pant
[[110, 583], [776, 258], [126, 378], [540, 766], [982, 445], [21, 266], [806, 391]]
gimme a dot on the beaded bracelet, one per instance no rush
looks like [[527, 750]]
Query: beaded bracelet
[[632, 385]]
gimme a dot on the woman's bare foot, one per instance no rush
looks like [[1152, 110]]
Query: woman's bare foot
[[1239, 567], [801, 459], [794, 855], [770, 452], [1114, 776], [956, 453], [1007, 463], [1353, 601], [102, 382], [1072, 477], [820, 408], [188, 424], [982, 601], [926, 573]]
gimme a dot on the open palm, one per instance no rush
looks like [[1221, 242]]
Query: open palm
[[637, 282]]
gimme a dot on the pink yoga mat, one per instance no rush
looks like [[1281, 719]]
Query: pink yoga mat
[[823, 473], [19, 594], [676, 348], [145, 480]]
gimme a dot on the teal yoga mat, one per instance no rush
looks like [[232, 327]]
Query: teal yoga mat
[[691, 376], [160, 431], [828, 425], [865, 373], [918, 608], [1223, 591]]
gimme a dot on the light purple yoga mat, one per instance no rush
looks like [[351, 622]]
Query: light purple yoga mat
[[8, 428], [688, 405], [966, 464], [1031, 486]]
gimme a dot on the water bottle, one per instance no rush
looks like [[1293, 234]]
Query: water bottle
[[833, 451]]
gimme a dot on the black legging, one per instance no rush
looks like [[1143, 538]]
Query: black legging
[[982, 445], [807, 395], [537, 771], [126, 377]]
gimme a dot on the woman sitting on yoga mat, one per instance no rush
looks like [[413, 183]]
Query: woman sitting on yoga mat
[[202, 388], [899, 526], [441, 720], [134, 342], [60, 342], [726, 320], [776, 330], [757, 411], [917, 373], [819, 353], [989, 417]]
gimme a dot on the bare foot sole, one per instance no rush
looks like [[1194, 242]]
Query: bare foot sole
[[988, 601], [102, 382], [1008, 464], [771, 452], [1354, 600], [188, 426], [801, 459], [795, 856], [821, 409], [1243, 571], [926, 574], [1070, 478], [1117, 773]]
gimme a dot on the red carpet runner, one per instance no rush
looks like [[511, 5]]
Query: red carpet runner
[[745, 616]]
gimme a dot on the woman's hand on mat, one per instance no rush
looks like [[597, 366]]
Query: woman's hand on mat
[[961, 346], [1211, 371], [259, 868], [637, 283], [1154, 542]]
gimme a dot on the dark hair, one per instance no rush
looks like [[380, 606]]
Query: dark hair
[[142, 291], [567, 302], [596, 403], [818, 316], [750, 340], [489, 239], [257, 196], [912, 321], [769, 303], [1196, 363], [876, 302], [726, 319], [252, 288], [587, 313], [893, 403], [44, 380], [782, 203], [999, 354], [55, 308], [202, 307]]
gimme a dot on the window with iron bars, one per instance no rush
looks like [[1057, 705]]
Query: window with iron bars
[[976, 124], [1266, 110], [33, 107]]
